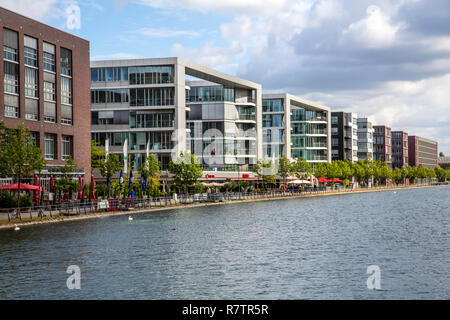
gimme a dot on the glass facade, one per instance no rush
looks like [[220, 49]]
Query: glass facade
[[148, 97], [109, 74], [272, 105], [110, 96], [150, 75], [211, 94], [151, 120]]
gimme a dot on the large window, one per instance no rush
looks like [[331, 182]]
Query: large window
[[49, 149], [30, 56], [49, 57], [152, 97], [272, 120], [109, 74], [9, 53], [11, 112], [272, 105], [109, 96], [66, 147], [151, 75], [49, 91], [31, 82], [66, 62], [66, 90], [152, 120], [11, 78], [10, 45], [213, 93]]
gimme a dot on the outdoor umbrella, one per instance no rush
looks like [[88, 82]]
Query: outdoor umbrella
[[121, 180], [52, 184], [80, 188], [92, 188], [36, 192], [23, 187]]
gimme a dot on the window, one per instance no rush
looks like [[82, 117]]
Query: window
[[109, 96], [152, 97], [66, 90], [10, 45], [151, 75], [66, 62], [49, 150], [49, 91], [11, 112], [272, 105], [35, 138], [31, 82], [11, 78], [9, 53], [109, 74], [334, 120], [49, 57], [30, 56], [66, 147]]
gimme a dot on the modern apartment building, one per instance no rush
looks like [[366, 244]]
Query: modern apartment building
[[344, 136], [150, 103], [295, 128], [45, 88], [399, 149], [422, 152], [365, 139], [221, 122], [382, 145]]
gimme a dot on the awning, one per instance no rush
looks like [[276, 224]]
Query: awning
[[299, 182], [23, 187]]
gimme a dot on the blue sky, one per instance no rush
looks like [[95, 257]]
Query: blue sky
[[385, 59]]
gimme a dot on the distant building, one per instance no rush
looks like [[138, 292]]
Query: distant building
[[45, 88], [399, 149], [444, 162], [382, 144], [422, 152], [344, 136], [365, 139], [295, 128]]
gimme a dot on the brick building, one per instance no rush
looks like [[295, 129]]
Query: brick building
[[382, 144], [423, 152], [46, 89]]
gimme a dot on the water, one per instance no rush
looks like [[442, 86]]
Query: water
[[310, 248]]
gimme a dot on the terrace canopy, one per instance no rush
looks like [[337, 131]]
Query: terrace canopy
[[299, 182]]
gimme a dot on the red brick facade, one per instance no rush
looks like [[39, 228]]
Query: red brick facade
[[81, 122]]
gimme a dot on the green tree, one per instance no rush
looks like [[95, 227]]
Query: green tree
[[19, 155], [441, 154], [186, 170], [150, 169], [109, 167], [302, 169], [441, 175], [285, 169], [98, 155], [263, 168]]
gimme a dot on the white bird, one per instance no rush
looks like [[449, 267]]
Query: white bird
[[16, 228], [130, 218]]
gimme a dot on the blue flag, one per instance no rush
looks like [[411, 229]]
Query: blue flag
[[130, 183], [121, 180]]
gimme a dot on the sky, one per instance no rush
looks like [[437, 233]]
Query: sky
[[388, 60]]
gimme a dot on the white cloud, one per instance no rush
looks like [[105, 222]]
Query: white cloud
[[167, 33], [31, 8], [374, 31]]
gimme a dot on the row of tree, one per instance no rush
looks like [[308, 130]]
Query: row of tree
[[361, 171]]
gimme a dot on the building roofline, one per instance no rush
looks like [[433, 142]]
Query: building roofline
[[296, 99]]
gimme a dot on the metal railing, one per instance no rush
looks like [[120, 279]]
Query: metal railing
[[115, 205]]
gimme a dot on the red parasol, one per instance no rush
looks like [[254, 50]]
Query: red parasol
[[36, 192], [23, 187], [80, 188], [52, 184], [92, 188]]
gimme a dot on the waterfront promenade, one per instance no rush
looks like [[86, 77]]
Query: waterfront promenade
[[90, 210]]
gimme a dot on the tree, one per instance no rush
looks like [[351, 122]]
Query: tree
[[98, 154], [66, 184], [263, 168], [285, 169], [150, 169], [441, 175], [302, 169], [19, 155], [109, 167], [441, 154], [186, 170]]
